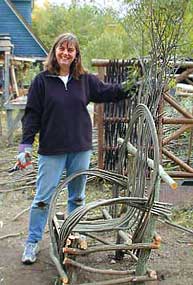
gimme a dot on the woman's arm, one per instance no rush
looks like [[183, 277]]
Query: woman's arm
[[101, 92], [31, 121]]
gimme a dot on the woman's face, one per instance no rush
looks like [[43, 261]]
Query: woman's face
[[65, 54]]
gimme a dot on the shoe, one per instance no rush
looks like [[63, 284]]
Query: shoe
[[30, 253]]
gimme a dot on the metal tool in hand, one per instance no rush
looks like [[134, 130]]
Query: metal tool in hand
[[22, 165]]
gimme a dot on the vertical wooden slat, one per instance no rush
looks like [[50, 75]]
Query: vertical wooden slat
[[100, 122], [160, 126], [7, 77], [190, 144], [9, 126], [95, 116], [6, 94], [14, 80]]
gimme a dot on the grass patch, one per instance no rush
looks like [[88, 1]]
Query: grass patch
[[183, 216]]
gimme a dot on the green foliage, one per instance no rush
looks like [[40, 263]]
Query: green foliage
[[165, 19], [26, 72], [99, 32], [107, 45], [186, 42], [132, 78], [183, 217], [106, 34], [172, 83]]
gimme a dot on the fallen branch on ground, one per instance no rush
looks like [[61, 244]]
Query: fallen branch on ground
[[21, 213], [10, 235], [16, 189]]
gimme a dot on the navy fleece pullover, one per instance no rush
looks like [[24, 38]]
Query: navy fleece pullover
[[60, 114]]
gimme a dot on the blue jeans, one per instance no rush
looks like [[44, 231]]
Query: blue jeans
[[50, 170]]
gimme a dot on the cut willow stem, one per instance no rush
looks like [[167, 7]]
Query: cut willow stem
[[125, 280], [11, 235], [61, 271], [69, 261], [20, 180], [122, 234], [19, 214], [74, 251], [16, 189], [177, 226]]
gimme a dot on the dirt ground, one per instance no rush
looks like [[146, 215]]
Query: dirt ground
[[173, 261]]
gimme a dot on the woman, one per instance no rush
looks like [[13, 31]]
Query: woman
[[57, 109]]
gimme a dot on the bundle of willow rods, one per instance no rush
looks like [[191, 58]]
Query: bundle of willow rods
[[151, 77], [117, 115]]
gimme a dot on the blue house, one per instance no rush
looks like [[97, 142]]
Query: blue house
[[18, 44], [15, 21]]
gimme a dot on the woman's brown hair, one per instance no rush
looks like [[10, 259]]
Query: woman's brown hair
[[51, 63]]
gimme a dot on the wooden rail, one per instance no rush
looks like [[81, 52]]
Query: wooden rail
[[185, 120]]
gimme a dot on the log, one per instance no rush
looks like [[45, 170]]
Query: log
[[175, 121], [177, 160], [175, 104], [184, 74], [176, 134], [180, 174], [125, 280], [133, 246], [164, 176]]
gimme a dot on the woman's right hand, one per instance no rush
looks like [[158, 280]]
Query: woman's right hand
[[24, 159]]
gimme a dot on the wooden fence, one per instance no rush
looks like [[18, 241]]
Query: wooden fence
[[179, 122]]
